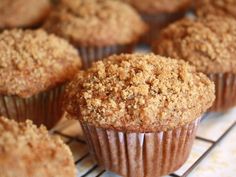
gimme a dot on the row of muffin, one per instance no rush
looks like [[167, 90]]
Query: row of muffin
[[139, 113], [130, 106]]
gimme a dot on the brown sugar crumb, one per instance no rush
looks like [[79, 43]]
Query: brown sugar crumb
[[95, 22], [33, 61], [207, 43], [26, 150], [159, 6], [139, 93], [216, 7], [23, 13]]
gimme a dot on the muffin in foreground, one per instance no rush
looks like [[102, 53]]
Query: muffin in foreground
[[23, 13], [28, 151], [98, 28], [139, 112], [34, 67], [159, 13], [216, 7], [210, 45]]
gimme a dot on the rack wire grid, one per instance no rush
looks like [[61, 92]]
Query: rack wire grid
[[213, 129]]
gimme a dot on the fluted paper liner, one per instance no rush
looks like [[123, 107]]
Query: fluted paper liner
[[92, 54], [43, 108], [141, 154], [225, 85]]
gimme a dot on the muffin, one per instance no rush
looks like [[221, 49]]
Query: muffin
[[23, 13], [34, 66], [139, 112], [216, 7], [210, 45], [159, 13], [28, 151], [98, 28]]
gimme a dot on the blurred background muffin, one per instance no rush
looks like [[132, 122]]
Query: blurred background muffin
[[159, 13], [133, 108], [28, 151], [98, 28], [34, 66], [209, 44], [216, 7], [23, 13]]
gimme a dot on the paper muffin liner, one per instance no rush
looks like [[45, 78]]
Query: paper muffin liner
[[141, 154], [225, 85], [92, 54], [43, 108], [157, 22]]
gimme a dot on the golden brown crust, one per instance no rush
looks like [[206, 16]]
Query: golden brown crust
[[159, 6], [216, 7], [22, 13], [139, 93], [26, 150], [33, 61], [95, 22], [207, 43]]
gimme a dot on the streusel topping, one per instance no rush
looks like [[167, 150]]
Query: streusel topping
[[139, 93], [35, 151], [216, 7], [33, 61], [95, 22], [207, 43]]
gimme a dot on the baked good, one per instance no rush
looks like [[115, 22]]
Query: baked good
[[132, 106], [34, 66], [23, 13], [216, 7], [210, 45], [26, 150], [159, 14], [98, 28]]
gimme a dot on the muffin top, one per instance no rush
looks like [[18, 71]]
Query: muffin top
[[36, 153], [144, 93], [95, 22], [22, 13], [33, 61], [207, 43], [216, 7], [159, 6]]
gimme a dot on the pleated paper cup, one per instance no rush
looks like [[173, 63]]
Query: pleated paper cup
[[43, 108], [141, 154], [93, 54], [225, 85], [156, 23]]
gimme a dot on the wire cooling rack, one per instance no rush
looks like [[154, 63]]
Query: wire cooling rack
[[213, 129]]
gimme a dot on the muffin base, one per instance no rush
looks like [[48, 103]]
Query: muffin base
[[156, 23], [141, 154], [93, 54], [225, 85], [43, 108]]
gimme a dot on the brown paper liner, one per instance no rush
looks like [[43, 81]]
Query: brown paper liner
[[92, 54], [156, 23], [43, 108], [141, 154], [225, 85]]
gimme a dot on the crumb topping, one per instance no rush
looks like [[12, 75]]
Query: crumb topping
[[216, 7], [33, 61], [207, 43], [159, 6], [139, 93], [23, 13], [36, 152], [95, 22]]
